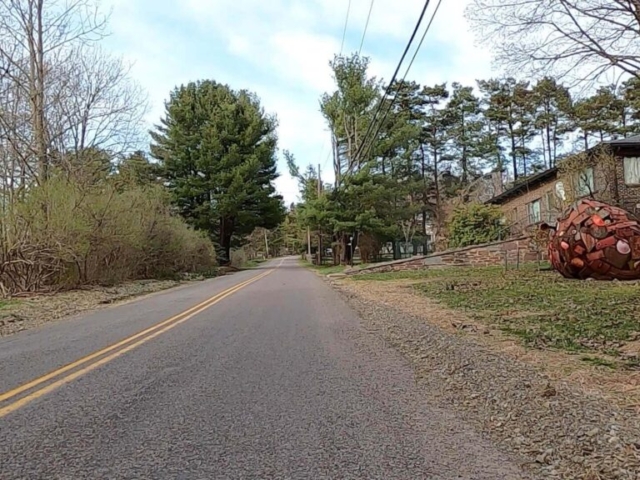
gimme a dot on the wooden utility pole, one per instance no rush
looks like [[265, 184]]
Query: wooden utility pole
[[319, 230], [266, 243]]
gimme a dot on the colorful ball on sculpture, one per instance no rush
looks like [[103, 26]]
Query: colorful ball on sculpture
[[596, 240]]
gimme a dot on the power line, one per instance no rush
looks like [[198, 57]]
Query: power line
[[415, 54], [346, 22], [393, 78], [366, 25]]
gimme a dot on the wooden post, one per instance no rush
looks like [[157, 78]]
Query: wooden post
[[319, 230]]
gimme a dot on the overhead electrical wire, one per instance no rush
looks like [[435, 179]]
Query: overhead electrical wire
[[346, 23], [393, 79], [366, 26], [415, 54]]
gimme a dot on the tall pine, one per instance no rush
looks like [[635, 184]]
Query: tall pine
[[217, 148]]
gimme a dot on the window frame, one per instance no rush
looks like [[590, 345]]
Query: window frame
[[624, 172], [530, 212], [591, 186]]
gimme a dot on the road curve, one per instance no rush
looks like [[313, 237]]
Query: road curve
[[274, 379]]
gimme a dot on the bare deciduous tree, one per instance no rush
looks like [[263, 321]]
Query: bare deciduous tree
[[63, 103], [97, 106], [60, 94], [573, 39]]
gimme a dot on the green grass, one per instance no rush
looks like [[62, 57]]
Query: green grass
[[540, 307], [325, 269], [6, 303], [254, 263], [599, 362]]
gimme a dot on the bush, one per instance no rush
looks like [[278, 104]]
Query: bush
[[474, 224], [65, 234], [239, 258]]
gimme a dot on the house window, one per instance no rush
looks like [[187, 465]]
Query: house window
[[584, 183], [560, 193], [632, 170], [552, 206], [552, 201], [534, 211]]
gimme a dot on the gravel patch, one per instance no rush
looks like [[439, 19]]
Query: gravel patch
[[24, 314], [565, 433]]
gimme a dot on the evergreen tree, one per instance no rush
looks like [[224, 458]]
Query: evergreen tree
[[433, 141], [137, 169], [552, 118], [217, 148], [464, 130]]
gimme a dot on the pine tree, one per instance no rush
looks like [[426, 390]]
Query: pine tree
[[552, 118], [464, 130], [217, 148]]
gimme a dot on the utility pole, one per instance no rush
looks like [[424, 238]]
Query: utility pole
[[309, 242], [266, 242], [319, 231]]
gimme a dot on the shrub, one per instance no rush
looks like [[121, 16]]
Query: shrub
[[65, 233], [474, 224], [239, 258]]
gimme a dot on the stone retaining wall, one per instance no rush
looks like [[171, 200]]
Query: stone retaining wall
[[511, 252]]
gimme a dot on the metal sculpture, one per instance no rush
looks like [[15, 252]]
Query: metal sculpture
[[596, 240]]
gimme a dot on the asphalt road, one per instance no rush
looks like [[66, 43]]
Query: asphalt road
[[275, 380]]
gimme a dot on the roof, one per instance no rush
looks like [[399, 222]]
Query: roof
[[535, 180], [633, 141], [529, 182]]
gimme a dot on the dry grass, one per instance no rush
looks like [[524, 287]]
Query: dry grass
[[36, 310]]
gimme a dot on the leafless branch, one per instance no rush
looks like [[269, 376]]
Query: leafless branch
[[576, 40]]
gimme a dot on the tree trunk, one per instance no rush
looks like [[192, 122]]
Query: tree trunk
[[226, 231], [514, 157], [436, 180], [37, 85], [425, 192]]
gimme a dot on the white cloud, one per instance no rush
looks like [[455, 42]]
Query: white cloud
[[280, 49]]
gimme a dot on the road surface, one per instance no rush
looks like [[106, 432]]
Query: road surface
[[272, 379]]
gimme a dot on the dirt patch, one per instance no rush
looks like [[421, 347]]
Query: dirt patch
[[571, 419], [23, 314]]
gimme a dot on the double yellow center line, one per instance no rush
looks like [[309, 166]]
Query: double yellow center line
[[63, 375]]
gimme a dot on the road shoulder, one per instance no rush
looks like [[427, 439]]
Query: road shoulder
[[564, 431]]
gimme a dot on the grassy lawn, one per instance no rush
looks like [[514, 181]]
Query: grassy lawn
[[540, 307], [325, 269], [254, 263]]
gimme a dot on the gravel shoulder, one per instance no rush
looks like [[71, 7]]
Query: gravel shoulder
[[563, 417]]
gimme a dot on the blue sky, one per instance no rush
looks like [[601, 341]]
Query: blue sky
[[280, 49]]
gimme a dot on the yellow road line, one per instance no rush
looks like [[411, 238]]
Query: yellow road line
[[187, 314]]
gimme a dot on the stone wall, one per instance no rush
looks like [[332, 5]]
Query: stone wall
[[513, 251]]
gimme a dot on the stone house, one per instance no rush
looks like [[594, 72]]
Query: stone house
[[542, 197]]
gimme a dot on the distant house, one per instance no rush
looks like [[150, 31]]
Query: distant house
[[540, 197]]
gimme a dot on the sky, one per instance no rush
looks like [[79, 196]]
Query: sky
[[280, 49]]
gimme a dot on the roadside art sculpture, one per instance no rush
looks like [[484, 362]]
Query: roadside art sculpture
[[596, 240]]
